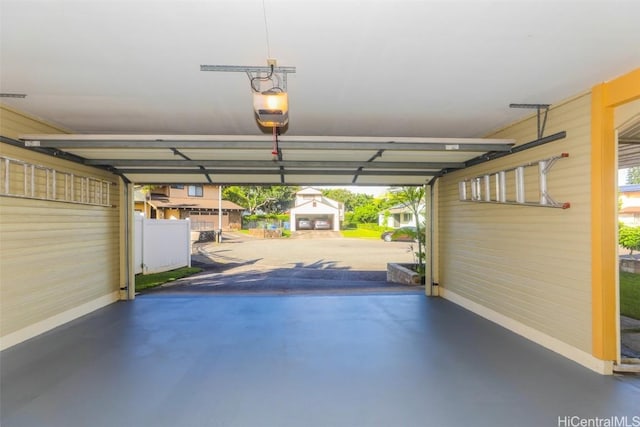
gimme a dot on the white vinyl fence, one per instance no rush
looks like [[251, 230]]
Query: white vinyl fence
[[161, 245]]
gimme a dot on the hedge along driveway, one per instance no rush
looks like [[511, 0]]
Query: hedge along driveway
[[148, 281], [630, 294]]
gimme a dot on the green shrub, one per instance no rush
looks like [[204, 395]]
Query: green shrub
[[630, 294], [373, 227], [360, 233], [147, 281], [629, 237], [366, 213], [264, 221], [348, 218]]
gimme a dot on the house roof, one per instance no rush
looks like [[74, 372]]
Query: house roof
[[401, 207], [320, 204], [192, 203], [630, 210], [398, 209], [309, 191], [630, 188]]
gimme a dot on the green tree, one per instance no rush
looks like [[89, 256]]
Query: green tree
[[366, 213], [629, 237], [268, 199], [633, 175], [349, 199], [413, 198]]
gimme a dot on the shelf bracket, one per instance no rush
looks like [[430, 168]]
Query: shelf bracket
[[542, 121]]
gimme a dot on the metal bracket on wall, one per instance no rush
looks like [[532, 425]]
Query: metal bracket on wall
[[540, 108], [478, 189]]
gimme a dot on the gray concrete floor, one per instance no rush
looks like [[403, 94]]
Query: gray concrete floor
[[304, 360]]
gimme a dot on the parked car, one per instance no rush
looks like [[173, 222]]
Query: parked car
[[402, 234], [321, 224], [305, 224]]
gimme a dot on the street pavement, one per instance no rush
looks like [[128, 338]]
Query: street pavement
[[243, 263], [630, 338]]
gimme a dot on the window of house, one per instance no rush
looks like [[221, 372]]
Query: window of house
[[195, 191], [408, 216], [178, 187]]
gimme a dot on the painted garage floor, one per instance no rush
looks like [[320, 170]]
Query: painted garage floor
[[365, 360]]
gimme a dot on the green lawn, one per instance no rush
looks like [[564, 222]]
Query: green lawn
[[630, 294], [361, 233], [148, 281]]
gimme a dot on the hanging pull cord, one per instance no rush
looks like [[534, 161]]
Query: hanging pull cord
[[275, 149]]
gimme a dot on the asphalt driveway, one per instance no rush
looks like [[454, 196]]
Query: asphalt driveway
[[324, 265]]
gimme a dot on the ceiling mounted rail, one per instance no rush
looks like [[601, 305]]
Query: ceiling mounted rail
[[341, 160], [483, 158], [251, 143], [254, 72], [417, 166], [361, 168], [154, 171], [532, 144]]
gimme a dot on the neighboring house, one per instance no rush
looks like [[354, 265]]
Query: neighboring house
[[196, 202], [140, 201], [310, 205], [629, 204], [398, 216]]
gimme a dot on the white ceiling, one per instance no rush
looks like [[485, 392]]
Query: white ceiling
[[385, 68]]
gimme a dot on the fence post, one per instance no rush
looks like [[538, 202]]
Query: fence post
[[142, 251], [188, 227]]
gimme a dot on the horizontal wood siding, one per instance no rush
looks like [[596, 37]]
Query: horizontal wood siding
[[15, 123], [54, 256], [531, 264]]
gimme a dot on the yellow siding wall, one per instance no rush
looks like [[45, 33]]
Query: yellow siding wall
[[54, 256], [209, 191], [530, 264], [15, 123], [626, 113]]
